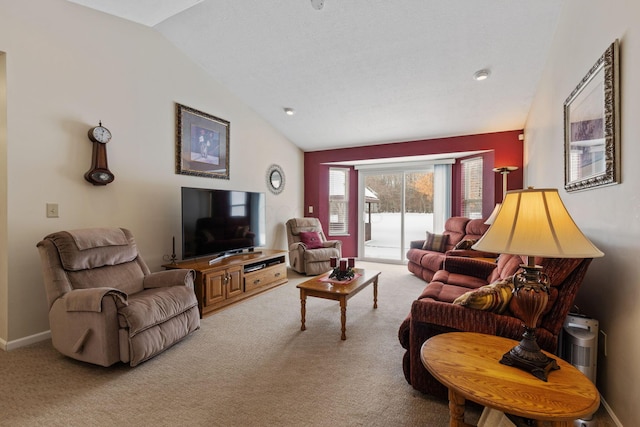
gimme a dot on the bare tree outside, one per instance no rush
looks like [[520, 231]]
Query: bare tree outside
[[418, 197]]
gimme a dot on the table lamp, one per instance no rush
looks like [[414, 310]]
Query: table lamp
[[494, 214], [534, 222]]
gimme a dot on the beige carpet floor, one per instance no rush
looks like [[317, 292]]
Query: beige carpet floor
[[248, 365]]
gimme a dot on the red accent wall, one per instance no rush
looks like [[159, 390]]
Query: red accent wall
[[503, 149]]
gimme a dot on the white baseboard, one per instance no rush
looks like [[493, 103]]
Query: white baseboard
[[615, 419], [12, 345]]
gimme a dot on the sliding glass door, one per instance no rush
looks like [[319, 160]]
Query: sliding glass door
[[399, 205], [383, 215]]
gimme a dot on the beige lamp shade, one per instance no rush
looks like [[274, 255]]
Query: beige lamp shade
[[494, 214], [535, 222]]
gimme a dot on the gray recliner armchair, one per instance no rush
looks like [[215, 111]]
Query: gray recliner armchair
[[105, 306], [303, 257]]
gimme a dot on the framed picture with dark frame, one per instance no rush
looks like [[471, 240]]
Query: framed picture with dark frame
[[592, 126], [202, 144]]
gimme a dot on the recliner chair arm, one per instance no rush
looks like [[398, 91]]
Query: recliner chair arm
[[166, 278], [470, 253], [91, 299], [90, 335], [333, 244], [448, 316], [297, 246], [468, 266]]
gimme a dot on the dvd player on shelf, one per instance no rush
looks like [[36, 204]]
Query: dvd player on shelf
[[250, 268]]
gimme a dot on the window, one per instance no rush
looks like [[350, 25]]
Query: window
[[472, 188], [338, 201]]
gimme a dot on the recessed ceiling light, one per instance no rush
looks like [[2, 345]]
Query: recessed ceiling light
[[289, 111], [481, 75]]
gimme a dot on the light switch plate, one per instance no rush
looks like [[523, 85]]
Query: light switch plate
[[52, 210]]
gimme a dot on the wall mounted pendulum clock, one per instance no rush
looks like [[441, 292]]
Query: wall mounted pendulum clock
[[99, 174]]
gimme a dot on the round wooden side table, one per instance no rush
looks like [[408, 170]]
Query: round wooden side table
[[467, 363]]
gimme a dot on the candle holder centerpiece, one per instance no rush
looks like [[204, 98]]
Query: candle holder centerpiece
[[342, 269]]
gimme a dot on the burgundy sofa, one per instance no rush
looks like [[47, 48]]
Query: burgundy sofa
[[424, 263], [434, 311]]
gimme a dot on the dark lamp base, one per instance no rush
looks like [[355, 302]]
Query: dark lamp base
[[532, 294], [528, 357]]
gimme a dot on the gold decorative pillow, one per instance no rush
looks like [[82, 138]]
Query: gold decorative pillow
[[435, 242], [494, 297]]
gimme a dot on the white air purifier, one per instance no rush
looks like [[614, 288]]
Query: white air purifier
[[579, 346]]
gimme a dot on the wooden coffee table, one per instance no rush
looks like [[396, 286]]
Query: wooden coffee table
[[316, 287], [468, 364]]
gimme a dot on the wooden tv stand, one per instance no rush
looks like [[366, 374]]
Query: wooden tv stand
[[234, 278]]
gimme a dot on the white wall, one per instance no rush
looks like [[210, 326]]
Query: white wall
[[67, 67], [609, 215]]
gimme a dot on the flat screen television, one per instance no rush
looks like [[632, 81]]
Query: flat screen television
[[221, 222]]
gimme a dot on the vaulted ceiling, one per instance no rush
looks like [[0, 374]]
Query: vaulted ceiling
[[360, 72]]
